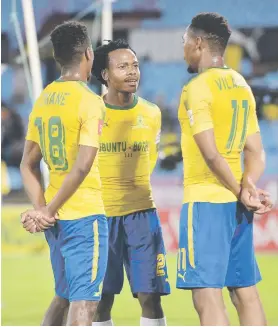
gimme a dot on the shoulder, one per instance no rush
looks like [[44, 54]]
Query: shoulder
[[89, 102], [239, 80], [152, 108], [86, 93], [198, 80], [199, 88]]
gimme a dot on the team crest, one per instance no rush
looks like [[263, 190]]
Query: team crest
[[139, 123]]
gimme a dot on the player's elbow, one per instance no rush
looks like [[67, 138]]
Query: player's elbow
[[84, 170], [27, 165], [212, 158], [84, 167], [255, 157], [23, 167], [85, 160]]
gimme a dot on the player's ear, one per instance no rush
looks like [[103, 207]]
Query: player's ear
[[89, 54], [199, 41], [104, 74]]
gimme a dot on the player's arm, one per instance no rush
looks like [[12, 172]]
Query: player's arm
[[90, 120], [254, 159], [254, 155], [30, 165], [154, 143], [217, 164], [31, 175], [84, 161], [254, 164]]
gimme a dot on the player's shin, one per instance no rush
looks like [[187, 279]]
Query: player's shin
[[103, 313], [56, 312], [152, 313]]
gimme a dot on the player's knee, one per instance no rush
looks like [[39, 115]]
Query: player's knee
[[151, 305], [61, 302], [104, 308], [247, 296], [233, 297], [81, 313], [205, 299], [198, 301]]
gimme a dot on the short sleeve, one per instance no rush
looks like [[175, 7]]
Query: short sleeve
[[33, 130], [197, 101], [91, 117], [253, 125]]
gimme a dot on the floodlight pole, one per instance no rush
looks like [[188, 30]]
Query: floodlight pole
[[106, 25], [34, 60]]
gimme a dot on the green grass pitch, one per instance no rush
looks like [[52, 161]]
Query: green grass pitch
[[27, 289]]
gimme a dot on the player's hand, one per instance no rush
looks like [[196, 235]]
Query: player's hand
[[265, 201], [45, 219], [249, 196], [250, 200], [254, 199], [28, 222]]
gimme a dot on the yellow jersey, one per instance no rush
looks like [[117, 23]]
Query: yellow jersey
[[218, 98], [127, 156], [68, 114]]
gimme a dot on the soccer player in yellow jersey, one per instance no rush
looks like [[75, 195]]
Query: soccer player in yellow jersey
[[127, 156], [64, 129], [217, 114]]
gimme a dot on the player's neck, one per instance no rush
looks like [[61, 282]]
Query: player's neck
[[213, 61], [73, 74], [121, 99]]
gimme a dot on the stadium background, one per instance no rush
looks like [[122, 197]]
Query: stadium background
[[154, 29]]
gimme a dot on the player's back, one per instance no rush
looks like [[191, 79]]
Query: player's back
[[57, 118], [219, 99]]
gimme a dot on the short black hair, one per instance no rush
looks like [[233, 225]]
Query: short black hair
[[70, 40], [101, 57], [215, 27]]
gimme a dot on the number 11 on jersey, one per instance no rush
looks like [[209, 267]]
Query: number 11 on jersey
[[234, 126]]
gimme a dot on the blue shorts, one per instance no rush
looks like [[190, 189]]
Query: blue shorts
[[135, 241], [216, 246], [78, 252]]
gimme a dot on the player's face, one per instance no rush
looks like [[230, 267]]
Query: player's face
[[123, 73], [192, 51]]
